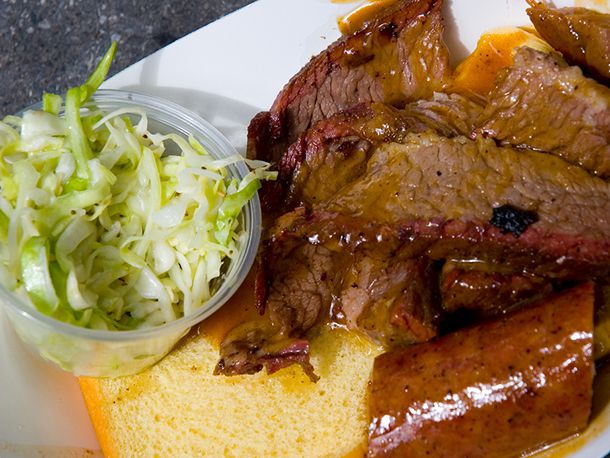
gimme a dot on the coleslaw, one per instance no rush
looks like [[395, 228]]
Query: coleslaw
[[101, 227]]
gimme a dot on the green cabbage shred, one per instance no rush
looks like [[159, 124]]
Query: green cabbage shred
[[99, 227]]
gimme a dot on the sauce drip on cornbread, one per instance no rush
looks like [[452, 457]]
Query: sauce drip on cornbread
[[239, 309]]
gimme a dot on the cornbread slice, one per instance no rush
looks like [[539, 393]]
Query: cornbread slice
[[178, 408]]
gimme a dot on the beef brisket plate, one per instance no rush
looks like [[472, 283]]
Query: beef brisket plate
[[580, 34], [543, 104], [400, 56], [429, 198]]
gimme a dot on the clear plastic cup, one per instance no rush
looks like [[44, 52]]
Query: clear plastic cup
[[114, 353]]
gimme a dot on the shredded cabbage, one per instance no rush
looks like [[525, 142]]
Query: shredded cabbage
[[100, 227]]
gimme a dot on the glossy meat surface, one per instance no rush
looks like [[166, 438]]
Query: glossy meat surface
[[581, 35], [485, 290], [398, 57], [432, 178], [494, 390], [543, 104], [334, 152]]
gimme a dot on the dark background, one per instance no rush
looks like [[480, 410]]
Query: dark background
[[53, 45]]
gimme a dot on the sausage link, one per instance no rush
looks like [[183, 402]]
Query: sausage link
[[494, 390]]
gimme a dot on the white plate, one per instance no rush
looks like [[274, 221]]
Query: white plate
[[227, 72]]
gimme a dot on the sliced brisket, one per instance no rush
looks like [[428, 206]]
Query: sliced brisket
[[400, 56], [389, 296], [334, 152], [380, 185], [543, 104], [442, 193], [580, 34], [363, 254]]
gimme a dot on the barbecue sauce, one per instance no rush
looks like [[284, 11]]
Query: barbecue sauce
[[239, 309], [494, 52], [361, 16]]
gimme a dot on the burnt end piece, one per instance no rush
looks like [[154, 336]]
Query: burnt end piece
[[496, 389], [512, 220], [255, 345]]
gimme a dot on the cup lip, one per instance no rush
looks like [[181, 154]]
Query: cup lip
[[244, 262]]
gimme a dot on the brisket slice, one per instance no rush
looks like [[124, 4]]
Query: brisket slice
[[543, 104], [335, 151], [400, 56], [385, 294], [447, 192], [580, 34]]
